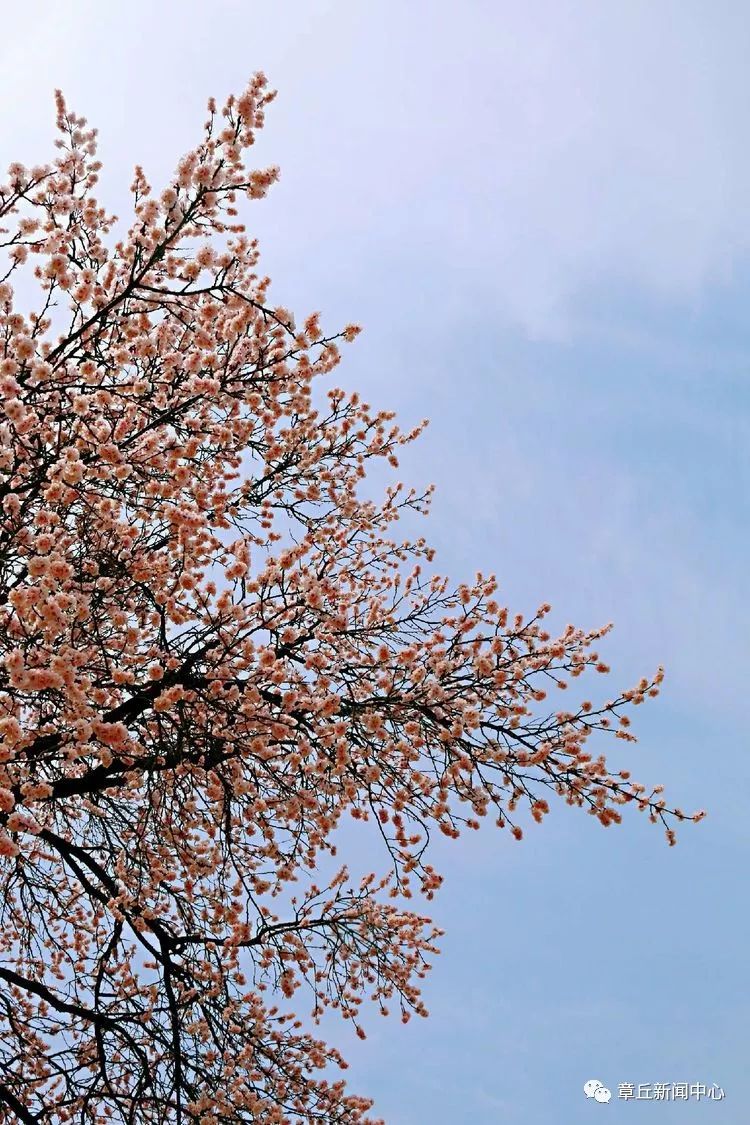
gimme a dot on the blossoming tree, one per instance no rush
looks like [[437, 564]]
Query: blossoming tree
[[212, 652]]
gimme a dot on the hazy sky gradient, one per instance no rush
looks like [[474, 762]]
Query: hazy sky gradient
[[540, 212]]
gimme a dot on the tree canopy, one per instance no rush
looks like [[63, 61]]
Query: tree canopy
[[214, 651]]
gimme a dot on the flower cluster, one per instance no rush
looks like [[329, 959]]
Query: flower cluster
[[214, 654]]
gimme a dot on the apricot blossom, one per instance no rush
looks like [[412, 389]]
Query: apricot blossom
[[214, 654]]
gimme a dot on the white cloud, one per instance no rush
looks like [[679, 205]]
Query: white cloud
[[536, 148]]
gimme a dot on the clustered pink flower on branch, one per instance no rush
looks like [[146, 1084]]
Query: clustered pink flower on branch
[[211, 652]]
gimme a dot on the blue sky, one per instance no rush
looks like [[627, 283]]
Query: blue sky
[[540, 212]]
